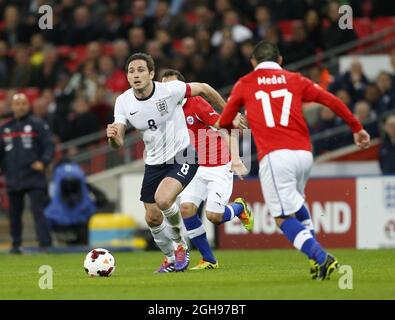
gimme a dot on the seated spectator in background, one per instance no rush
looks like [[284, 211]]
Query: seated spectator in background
[[354, 81], [113, 79], [164, 37], [300, 46], [344, 96], [320, 76], [246, 49], [387, 95], [21, 75], [136, 39], [263, 21], [387, 149], [312, 24], [87, 79], [232, 29], [46, 74], [5, 64], [121, 53], [224, 68], [82, 121], [14, 31], [83, 29], [140, 18], [202, 38], [367, 117], [333, 36], [175, 23], [372, 96], [112, 27]]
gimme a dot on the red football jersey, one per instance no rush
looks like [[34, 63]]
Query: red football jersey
[[273, 100], [212, 149]]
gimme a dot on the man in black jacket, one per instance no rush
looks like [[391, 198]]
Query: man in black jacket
[[26, 148], [387, 149]]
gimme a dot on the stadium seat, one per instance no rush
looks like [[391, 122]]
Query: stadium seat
[[287, 28], [3, 94], [362, 27], [32, 93]]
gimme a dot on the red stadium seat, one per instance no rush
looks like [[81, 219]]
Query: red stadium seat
[[287, 28], [31, 93], [382, 23], [3, 94], [362, 27]]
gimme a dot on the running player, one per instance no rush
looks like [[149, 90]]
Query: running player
[[214, 178], [273, 100], [154, 108]]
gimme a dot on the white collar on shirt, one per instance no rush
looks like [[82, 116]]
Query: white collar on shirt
[[268, 65]]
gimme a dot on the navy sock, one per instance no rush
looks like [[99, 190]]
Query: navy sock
[[302, 239], [231, 211], [304, 218], [198, 237]]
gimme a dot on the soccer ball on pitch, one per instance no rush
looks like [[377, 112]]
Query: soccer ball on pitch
[[99, 263]]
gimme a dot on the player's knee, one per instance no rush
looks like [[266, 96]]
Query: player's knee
[[163, 202], [187, 210], [154, 219], [215, 218]]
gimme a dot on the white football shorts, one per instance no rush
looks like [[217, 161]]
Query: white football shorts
[[283, 175], [212, 183]]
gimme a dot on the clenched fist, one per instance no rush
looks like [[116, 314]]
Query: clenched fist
[[112, 131]]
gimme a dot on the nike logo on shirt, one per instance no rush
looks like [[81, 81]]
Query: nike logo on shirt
[[132, 113]]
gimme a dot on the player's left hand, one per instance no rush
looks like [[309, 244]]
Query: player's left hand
[[239, 169], [240, 121], [362, 139], [38, 166]]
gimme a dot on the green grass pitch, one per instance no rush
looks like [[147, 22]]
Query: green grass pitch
[[269, 274]]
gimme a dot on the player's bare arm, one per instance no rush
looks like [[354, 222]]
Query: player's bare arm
[[232, 141], [115, 134], [210, 94]]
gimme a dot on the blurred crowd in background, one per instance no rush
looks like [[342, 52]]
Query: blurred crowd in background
[[73, 73]]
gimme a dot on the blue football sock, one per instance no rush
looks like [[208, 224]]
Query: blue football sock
[[198, 237], [302, 239], [231, 211], [304, 218]]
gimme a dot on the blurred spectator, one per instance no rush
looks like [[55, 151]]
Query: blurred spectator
[[5, 64], [21, 73], [232, 29], [312, 24], [83, 29], [333, 36], [163, 36], [300, 46], [354, 81], [36, 46], [392, 58], [47, 73], [387, 149], [246, 49], [85, 79], [175, 24], [14, 31], [82, 121], [113, 79], [204, 17], [121, 53], [136, 39], [224, 68], [203, 43], [263, 21], [113, 27], [140, 18], [372, 96], [367, 117], [387, 95], [94, 51], [344, 96]]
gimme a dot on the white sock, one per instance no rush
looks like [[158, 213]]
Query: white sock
[[162, 239], [174, 220]]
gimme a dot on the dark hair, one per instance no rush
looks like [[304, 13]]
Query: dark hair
[[141, 56], [172, 72], [266, 51]]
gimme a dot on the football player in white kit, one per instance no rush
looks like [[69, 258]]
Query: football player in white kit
[[155, 109]]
